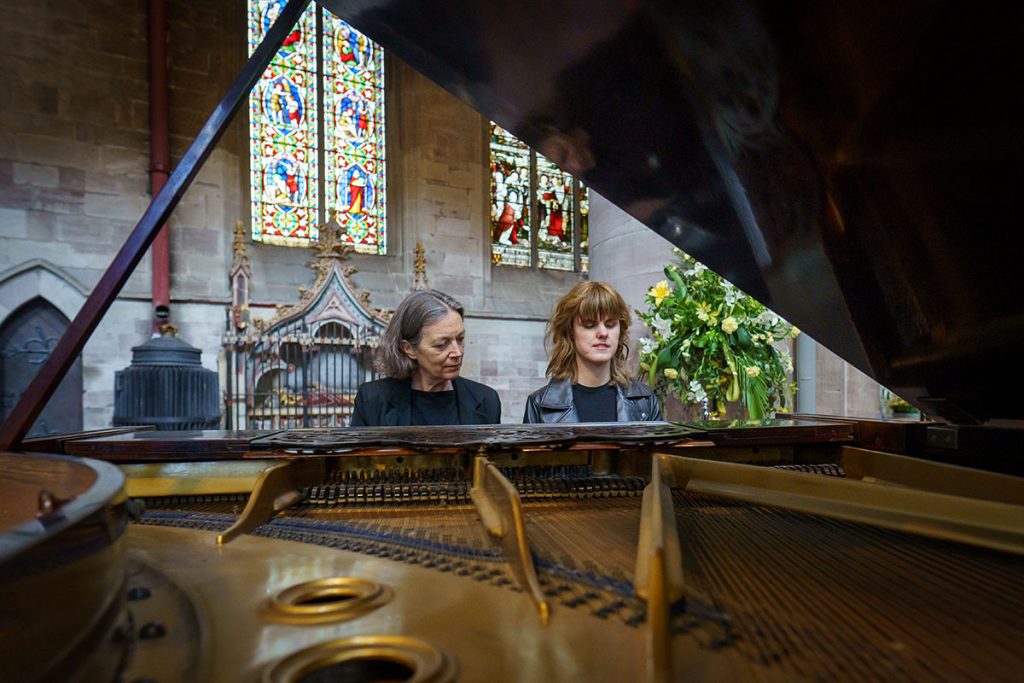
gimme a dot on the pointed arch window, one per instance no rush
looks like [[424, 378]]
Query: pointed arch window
[[539, 213], [316, 132]]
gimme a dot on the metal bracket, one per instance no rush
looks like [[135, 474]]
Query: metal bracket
[[501, 512], [876, 466], [276, 489], [659, 573], [937, 515]]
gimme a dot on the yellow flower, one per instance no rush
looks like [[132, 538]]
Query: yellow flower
[[729, 325], [753, 371], [795, 332], [659, 292], [671, 373], [703, 311]]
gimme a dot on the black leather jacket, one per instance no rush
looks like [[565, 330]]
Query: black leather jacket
[[553, 403]]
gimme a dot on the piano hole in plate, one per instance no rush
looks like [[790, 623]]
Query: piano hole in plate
[[337, 598], [366, 659]]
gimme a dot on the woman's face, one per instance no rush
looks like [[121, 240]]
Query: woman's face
[[596, 340], [438, 354]]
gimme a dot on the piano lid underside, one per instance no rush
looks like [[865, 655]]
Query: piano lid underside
[[851, 165]]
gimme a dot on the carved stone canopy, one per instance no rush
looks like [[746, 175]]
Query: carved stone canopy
[[333, 294]]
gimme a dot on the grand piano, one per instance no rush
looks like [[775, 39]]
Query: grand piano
[[848, 164]]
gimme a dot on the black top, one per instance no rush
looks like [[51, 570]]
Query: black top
[[434, 408], [388, 403], [595, 404]]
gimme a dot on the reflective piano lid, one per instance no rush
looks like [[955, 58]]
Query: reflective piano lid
[[851, 165]]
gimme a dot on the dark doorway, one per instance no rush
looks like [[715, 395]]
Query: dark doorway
[[26, 339]]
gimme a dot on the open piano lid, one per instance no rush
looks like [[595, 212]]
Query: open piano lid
[[851, 165]]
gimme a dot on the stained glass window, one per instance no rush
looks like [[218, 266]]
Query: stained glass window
[[316, 125], [538, 212], [510, 194], [354, 133]]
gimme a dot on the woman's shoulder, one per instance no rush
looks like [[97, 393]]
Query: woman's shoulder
[[478, 387], [638, 389], [556, 393], [384, 385]]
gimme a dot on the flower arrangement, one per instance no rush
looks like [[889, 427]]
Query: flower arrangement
[[897, 406], [712, 344]]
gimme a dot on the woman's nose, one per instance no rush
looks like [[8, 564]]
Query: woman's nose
[[602, 330]]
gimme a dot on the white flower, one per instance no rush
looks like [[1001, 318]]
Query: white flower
[[662, 327], [729, 325], [647, 345], [697, 269], [787, 361], [732, 295], [769, 319], [696, 392]]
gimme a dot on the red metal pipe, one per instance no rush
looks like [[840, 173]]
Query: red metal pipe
[[160, 164]]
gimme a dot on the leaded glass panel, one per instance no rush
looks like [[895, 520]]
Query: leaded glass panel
[[354, 134], [283, 132], [555, 216], [510, 192], [584, 202], [520, 180]]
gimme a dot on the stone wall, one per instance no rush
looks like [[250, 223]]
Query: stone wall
[[74, 157], [627, 255], [842, 389]]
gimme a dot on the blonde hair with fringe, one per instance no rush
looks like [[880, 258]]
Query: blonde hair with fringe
[[586, 301]]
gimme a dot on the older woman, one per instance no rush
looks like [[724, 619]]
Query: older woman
[[588, 334], [421, 355]]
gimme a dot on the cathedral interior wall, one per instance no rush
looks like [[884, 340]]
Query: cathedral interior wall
[[74, 160], [74, 180]]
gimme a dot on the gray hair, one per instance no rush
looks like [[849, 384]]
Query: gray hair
[[418, 310]]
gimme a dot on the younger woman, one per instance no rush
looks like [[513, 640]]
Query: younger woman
[[588, 336]]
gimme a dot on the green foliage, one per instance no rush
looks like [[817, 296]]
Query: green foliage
[[710, 341]]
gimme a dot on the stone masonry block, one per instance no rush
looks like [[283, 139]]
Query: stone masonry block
[[449, 226], [13, 223], [36, 174], [114, 206]]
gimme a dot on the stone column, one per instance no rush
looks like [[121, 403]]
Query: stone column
[[627, 255]]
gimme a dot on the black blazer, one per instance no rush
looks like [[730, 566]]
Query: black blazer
[[386, 403]]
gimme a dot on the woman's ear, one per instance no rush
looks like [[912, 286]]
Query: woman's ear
[[408, 349]]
